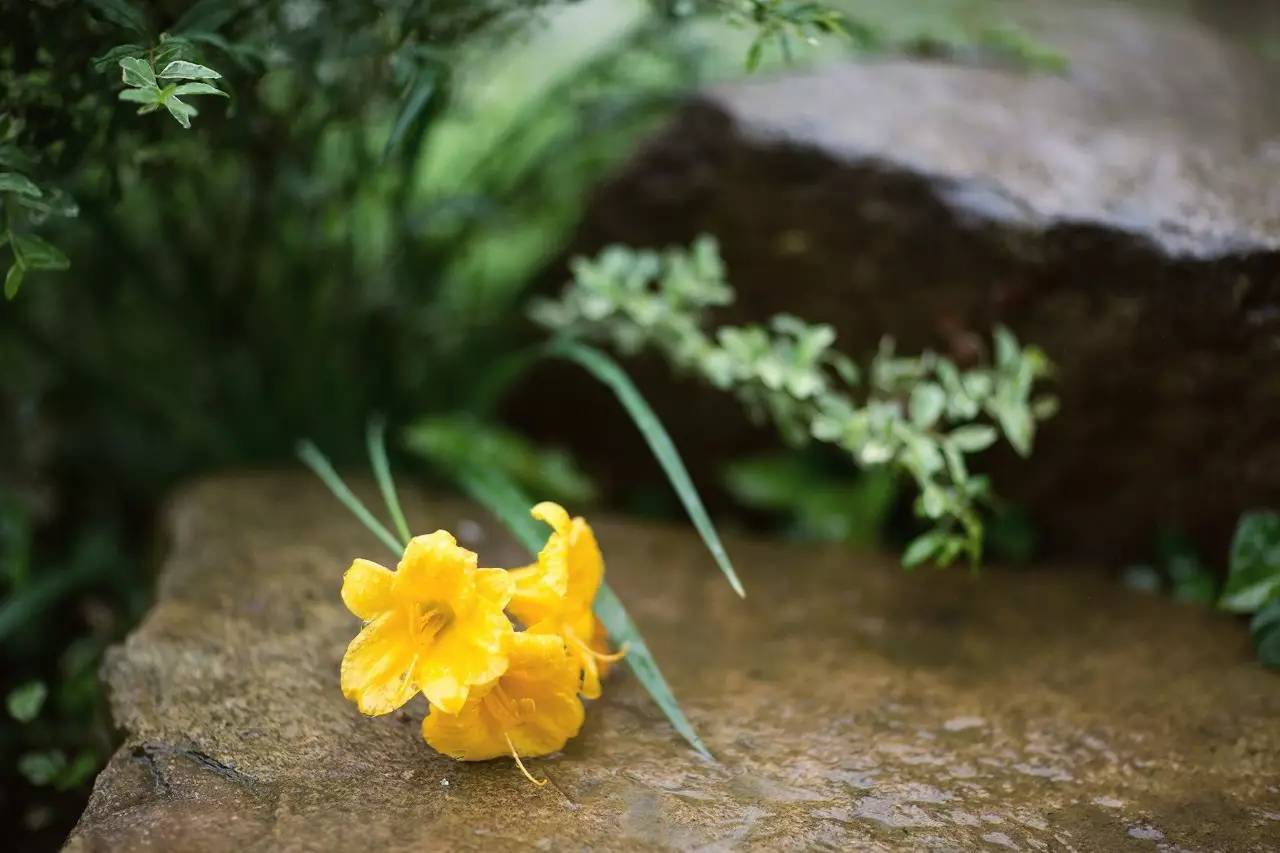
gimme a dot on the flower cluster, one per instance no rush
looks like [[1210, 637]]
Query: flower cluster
[[440, 626]]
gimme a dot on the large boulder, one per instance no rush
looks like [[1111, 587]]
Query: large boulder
[[1124, 214], [849, 706]]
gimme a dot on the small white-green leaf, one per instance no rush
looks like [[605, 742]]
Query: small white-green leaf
[[26, 700], [181, 111], [927, 402], [922, 548], [41, 768], [180, 69], [1044, 407], [974, 437], [199, 89], [141, 95], [35, 253], [1254, 576], [1018, 426], [15, 182], [1007, 349], [137, 72]]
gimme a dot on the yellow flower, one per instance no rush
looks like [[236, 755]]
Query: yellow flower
[[435, 624], [554, 595], [531, 709]]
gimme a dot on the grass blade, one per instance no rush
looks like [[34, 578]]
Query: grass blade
[[423, 91], [605, 369], [622, 630], [376, 438], [320, 466], [505, 500]]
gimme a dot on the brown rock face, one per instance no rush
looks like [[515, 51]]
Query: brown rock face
[[1124, 215], [850, 705]]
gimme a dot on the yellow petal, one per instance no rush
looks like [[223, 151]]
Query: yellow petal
[[541, 587], [532, 600], [470, 651], [466, 736], [378, 669], [537, 708], [543, 672], [444, 691], [435, 568], [497, 585], [586, 566], [366, 589], [553, 514]]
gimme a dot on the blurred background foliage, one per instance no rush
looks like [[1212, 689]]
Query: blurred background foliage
[[352, 231]]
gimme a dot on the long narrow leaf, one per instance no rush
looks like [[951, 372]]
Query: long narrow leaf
[[623, 631], [376, 438], [23, 607], [320, 466], [505, 500], [605, 369]]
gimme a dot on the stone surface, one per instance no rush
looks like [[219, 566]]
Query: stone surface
[[1125, 215], [850, 705]]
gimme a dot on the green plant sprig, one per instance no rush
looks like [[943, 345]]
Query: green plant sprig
[[920, 414]]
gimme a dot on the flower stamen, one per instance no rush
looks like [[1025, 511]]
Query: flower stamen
[[520, 763], [430, 619], [583, 647]]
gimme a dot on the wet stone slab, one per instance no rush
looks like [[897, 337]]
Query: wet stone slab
[[849, 704]]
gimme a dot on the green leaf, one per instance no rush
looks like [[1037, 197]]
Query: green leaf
[[79, 771], [122, 13], [34, 253], [142, 95], [1044, 407], [13, 280], [376, 441], [42, 768], [922, 548], [111, 59], [199, 89], [26, 700], [1007, 350], [419, 96], [22, 608], [664, 450], [973, 438], [182, 70], [15, 182], [1189, 580], [137, 72], [927, 402], [624, 631], [322, 468], [1265, 629], [504, 499], [53, 203], [1018, 426], [206, 16], [181, 111], [1254, 576]]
